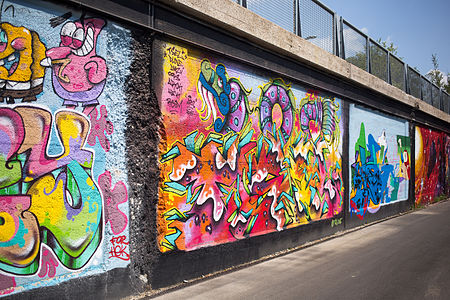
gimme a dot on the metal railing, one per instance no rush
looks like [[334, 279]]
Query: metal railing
[[321, 26]]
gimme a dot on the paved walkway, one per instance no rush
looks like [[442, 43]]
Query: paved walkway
[[403, 258]]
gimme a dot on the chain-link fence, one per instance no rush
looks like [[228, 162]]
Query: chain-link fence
[[435, 97], [378, 61], [414, 83], [445, 103], [280, 12], [397, 68], [426, 90], [318, 24], [354, 46]]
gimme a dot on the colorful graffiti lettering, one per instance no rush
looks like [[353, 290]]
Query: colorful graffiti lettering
[[78, 73], [379, 161], [430, 164], [46, 199], [376, 181], [275, 94], [251, 170]]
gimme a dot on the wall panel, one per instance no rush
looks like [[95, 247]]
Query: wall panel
[[379, 161], [432, 148], [246, 153], [63, 182]]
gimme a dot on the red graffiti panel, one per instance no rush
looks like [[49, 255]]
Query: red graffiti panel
[[431, 164]]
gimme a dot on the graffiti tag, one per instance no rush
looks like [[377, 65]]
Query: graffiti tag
[[336, 222], [119, 248]]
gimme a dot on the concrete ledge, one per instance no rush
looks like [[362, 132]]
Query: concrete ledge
[[240, 21]]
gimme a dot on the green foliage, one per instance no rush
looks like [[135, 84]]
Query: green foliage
[[389, 47], [359, 60], [436, 76]]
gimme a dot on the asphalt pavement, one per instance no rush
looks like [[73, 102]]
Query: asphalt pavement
[[406, 257]]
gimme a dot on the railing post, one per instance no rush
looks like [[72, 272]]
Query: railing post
[[406, 79], [367, 53], [151, 13], [389, 79], [335, 35], [441, 97], [298, 29], [421, 87], [341, 22], [447, 99]]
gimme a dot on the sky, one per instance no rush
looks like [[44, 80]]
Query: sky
[[418, 28]]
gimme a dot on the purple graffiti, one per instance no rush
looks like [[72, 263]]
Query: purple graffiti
[[274, 93]]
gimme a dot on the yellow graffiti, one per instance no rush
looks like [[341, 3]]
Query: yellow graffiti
[[25, 44], [8, 229], [72, 127]]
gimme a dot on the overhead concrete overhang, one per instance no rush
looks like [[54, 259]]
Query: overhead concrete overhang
[[240, 21]]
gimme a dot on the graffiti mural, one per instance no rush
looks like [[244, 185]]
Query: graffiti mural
[[431, 166], [380, 168], [54, 195], [447, 165], [245, 154], [63, 191]]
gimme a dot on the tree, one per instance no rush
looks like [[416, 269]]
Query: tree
[[447, 86], [436, 76], [389, 47]]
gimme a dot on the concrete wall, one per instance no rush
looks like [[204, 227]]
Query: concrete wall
[[64, 210], [147, 156]]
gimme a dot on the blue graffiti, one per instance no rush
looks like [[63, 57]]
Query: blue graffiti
[[370, 177]]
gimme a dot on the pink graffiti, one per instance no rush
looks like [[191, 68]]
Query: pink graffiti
[[49, 264], [99, 128], [7, 284], [79, 74], [113, 197]]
